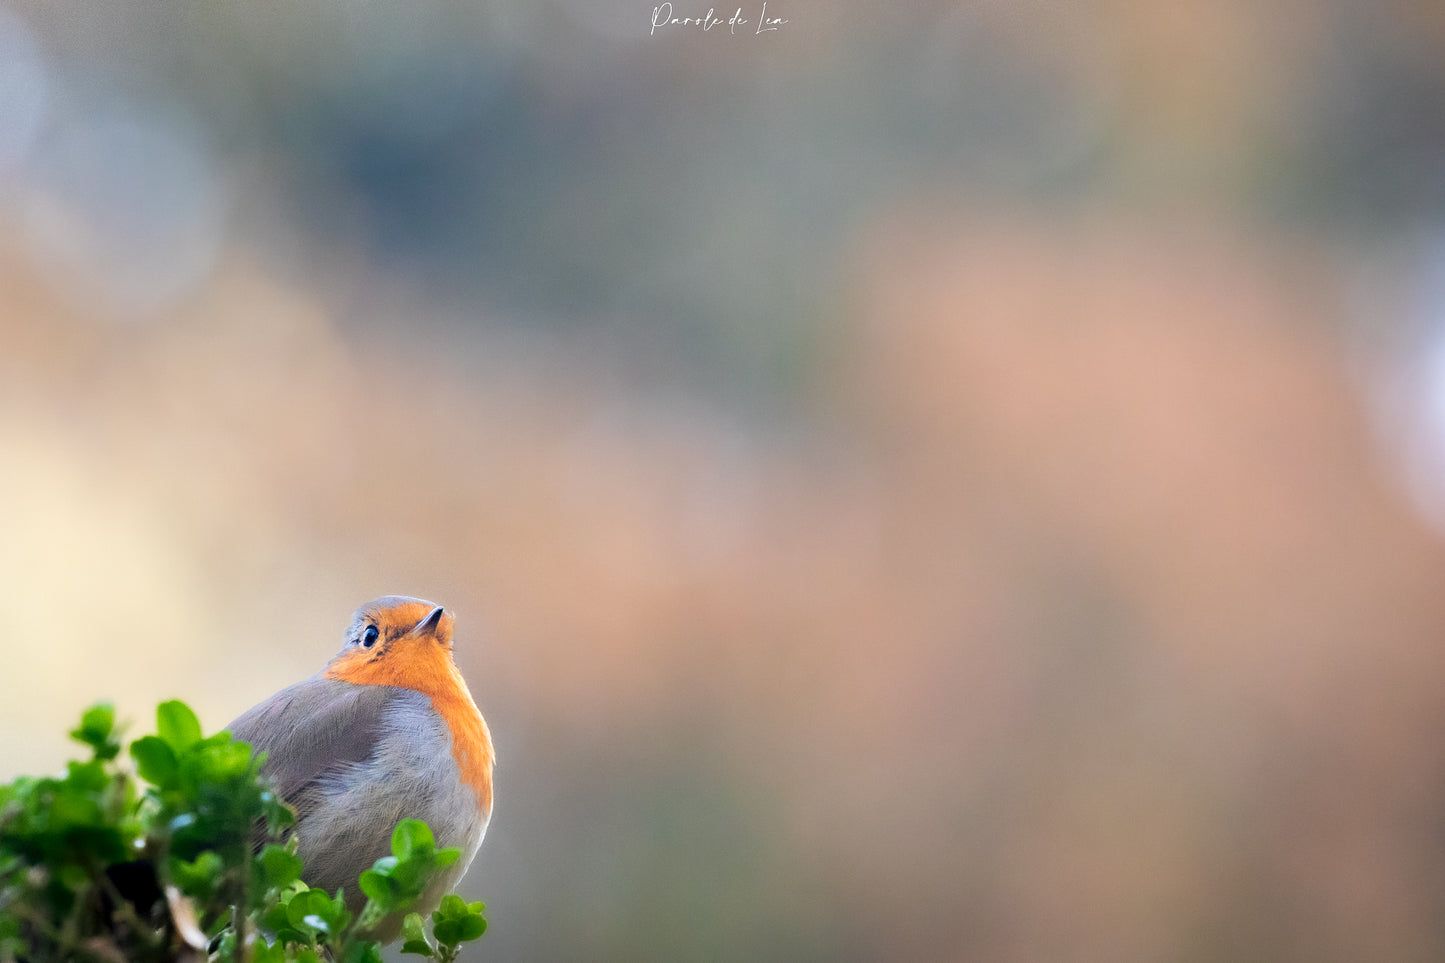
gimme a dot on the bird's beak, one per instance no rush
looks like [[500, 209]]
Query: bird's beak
[[429, 624]]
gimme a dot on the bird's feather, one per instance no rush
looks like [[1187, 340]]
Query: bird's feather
[[316, 726]]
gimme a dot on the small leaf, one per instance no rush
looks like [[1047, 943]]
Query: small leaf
[[95, 729], [154, 760], [409, 878], [178, 725], [200, 876], [97, 721], [277, 920], [413, 928], [411, 836], [263, 952], [448, 932], [363, 951], [279, 866], [472, 928], [210, 761], [376, 887], [453, 907], [337, 914], [86, 776], [304, 906], [417, 947]]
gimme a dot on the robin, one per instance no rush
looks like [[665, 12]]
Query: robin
[[387, 731]]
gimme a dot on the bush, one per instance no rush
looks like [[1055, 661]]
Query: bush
[[160, 862]]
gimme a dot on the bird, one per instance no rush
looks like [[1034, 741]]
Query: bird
[[388, 730]]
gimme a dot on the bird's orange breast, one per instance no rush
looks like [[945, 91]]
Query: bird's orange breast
[[426, 667], [471, 742]]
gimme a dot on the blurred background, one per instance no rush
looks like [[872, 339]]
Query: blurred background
[[935, 481]]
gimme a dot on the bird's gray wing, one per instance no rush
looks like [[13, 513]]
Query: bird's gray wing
[[313, 728]]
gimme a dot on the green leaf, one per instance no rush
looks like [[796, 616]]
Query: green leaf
[[418, 947], [312, 912], [98, 720], [95, 729], [338, 915], [412, 836], [263, 952], [218, 762], [376, 887], [456, 921], [277, 920], [363, 951], [89, 777], [448, 932], [279, 866], [302, 906], [154, 760], [178, 725], [413, 928], [200, 876], [452, 907], [410, 877], [472, 928]]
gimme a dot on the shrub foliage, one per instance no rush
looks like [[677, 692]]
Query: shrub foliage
[[182, 853]]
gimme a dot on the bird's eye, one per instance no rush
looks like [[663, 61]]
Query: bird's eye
[[368, 638]]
